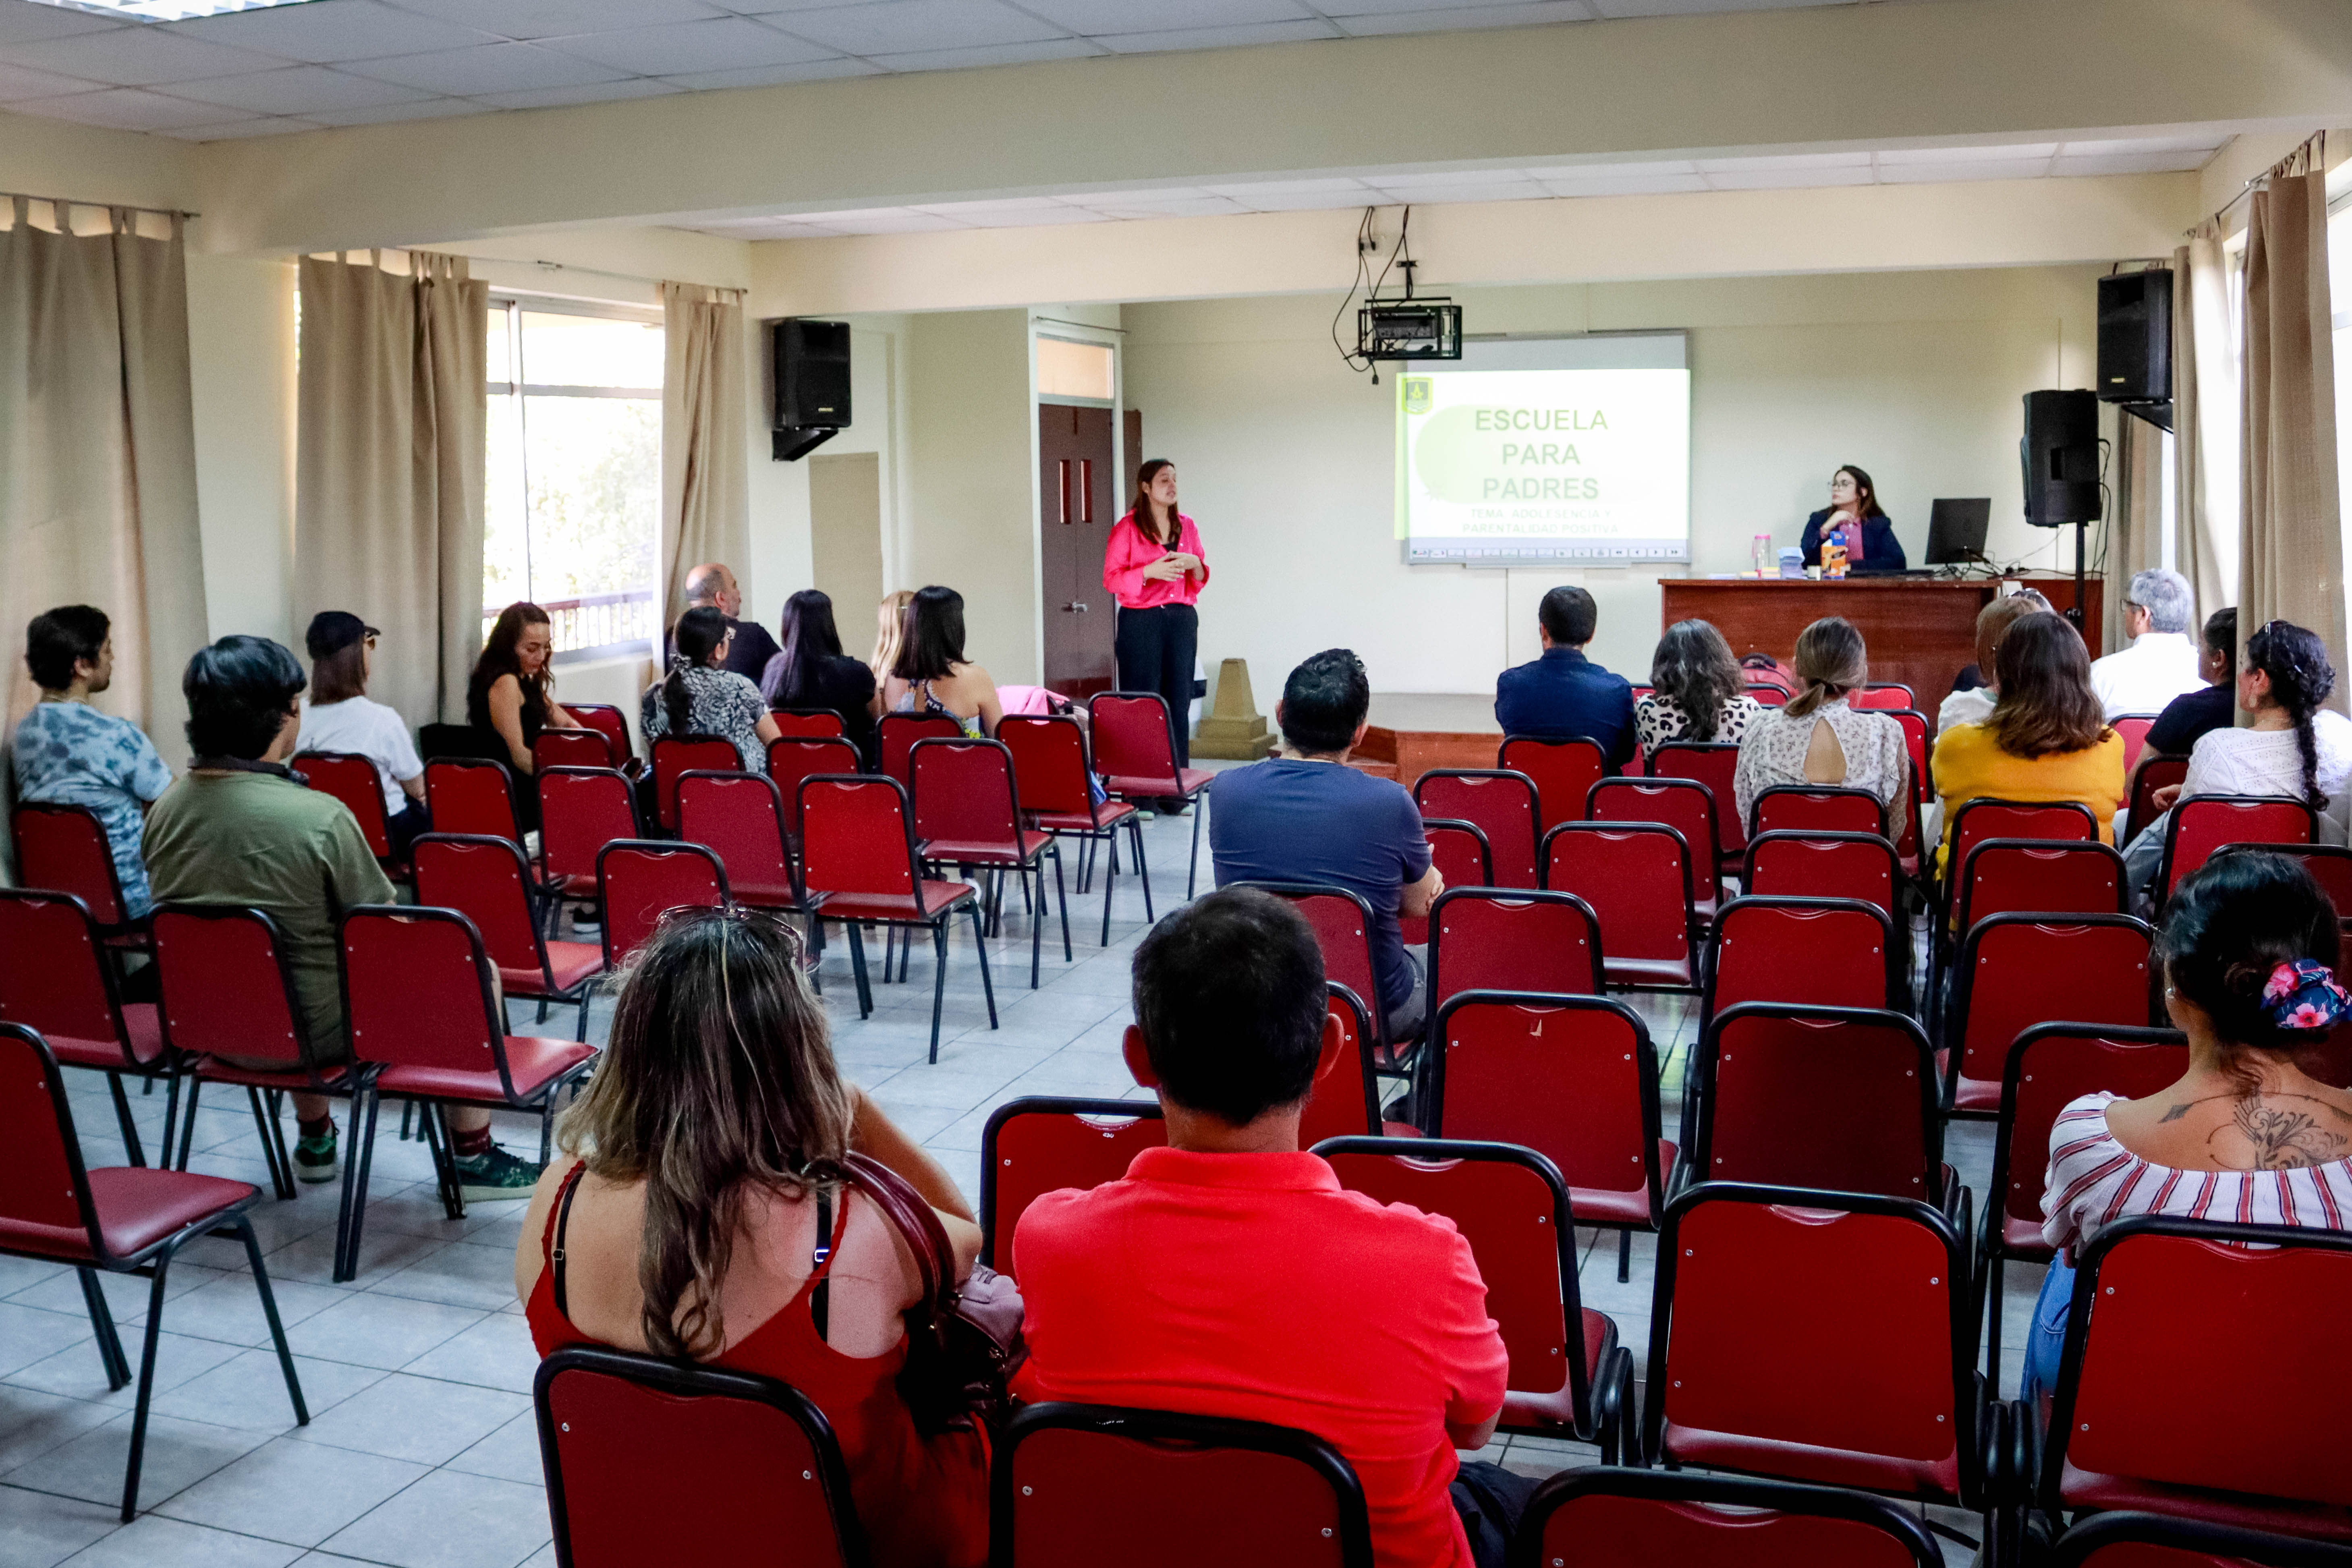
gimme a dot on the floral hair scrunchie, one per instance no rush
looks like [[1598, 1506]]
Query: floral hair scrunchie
[[2304, 994]]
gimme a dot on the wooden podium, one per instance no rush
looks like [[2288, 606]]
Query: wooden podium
[[1921, 631]]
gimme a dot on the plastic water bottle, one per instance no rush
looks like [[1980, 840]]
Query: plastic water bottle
[[1763, 554]]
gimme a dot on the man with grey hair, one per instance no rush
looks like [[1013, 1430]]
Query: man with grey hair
[[712, 585], [2161, 662]]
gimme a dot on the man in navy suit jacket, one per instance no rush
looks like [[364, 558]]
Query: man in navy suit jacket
[[1564, 694]]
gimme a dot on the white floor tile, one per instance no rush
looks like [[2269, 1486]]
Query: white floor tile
[[300, 1493], [418, 1419], [38, 1529], [450, 1519], [249, 1391], [383, 1331], [178, 1454], [496, 1352], [153, 1542]]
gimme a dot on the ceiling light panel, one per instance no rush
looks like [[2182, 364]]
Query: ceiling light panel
[[166, 10]]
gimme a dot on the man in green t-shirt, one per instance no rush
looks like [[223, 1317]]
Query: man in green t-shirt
[[241, 829]]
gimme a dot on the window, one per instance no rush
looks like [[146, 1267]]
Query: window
[[572, 509]]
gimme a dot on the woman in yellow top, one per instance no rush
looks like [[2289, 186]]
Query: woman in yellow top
[[2047, 739]]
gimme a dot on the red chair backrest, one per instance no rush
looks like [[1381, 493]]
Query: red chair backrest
[[1502, 803], [484, 879], [469, 795], [1346, 1103], [2204, 823], [2330, 865], [1635, 877], [1050, 762], [740, 818], [1623, 1517], [812, 723], [2134, 729], [964, 794], [640, 880], [609, 722], [63, 849], [53, 974], [1889, 696], [854, 837], [1038, 1145], [1915, 730], [1133, 741], [650, 1461], [580, 810], [1712, 764], [41, 1180], [1861, 1083], [2017, 971], [1459, 852], [1768, 695], [1825, 953], [1343, 932], [2049, 1068], [899, 731], [2158, 772], [572, 749], [1974, 821], [1824, 866], [1564, 774], [417, 983], [1489, 938], [675, 754], [225, 989], [1809, 808], [2002, 876], [796, 757], [351, 779], [1686, 806]]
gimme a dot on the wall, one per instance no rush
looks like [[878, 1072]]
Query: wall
[[971, 509], [1288, 458]]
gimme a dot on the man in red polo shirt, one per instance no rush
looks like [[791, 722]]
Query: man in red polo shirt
[[1229, 1274]]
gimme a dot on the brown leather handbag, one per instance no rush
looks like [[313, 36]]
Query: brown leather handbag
[[963, 1343]]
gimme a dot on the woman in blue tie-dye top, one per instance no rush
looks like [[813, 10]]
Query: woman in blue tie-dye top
[[68, 752]]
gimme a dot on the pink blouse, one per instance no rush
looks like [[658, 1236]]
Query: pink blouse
[[1130, 550]]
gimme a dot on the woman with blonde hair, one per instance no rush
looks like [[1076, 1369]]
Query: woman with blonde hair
[[1820, 738], [889, 636]]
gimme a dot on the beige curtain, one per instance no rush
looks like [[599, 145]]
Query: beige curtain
[[394, 412], [98, 456], [2135, 532], [706, 488], [2204, 422], [2291, 549]]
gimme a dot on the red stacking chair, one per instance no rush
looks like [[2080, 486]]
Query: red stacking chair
[[1459, 852], [1347, 1102], [2158, 772], [676, 755], [857, 855], [471, 796], [486, 880], [116, 1220], [2134, 729], [1815, 1336], [1812, 865], [1054, 771], [898, 733], [2118, 1439], [1135, 748], [2204, 823], [418, 989], [1493, 939], [2050, 1067], [795, 757], [1635, 877], [1886, 696], [1862, 1085], [1767, 694], [2330, 865], [1824, 952], [2004, 876], [55, 979], [1712, 764], [353, 780], [1816, 808], [609, 722], [227, 993], [1068, 1479], [1917, 734], [1037, 1145], [1502, 803], [1342, 924], [2020, 970], [63, 849], [638, 880], [572, 749], [652, 1460], [740, 818], [1572, 1078], [809, 723], [1614, 1516], [1639, 763], [1564, 773], [1974, 821], [968, 813], [1512, 1207], [2128, 1540], [580, 810], [1686, 806]]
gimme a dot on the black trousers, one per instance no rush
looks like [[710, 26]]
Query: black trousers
[[1155, 654]]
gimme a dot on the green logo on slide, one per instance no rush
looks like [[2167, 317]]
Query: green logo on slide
[[1416, 395]]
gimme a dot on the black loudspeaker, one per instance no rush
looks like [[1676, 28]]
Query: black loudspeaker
[[2136, 343], [812, 366], [2060, 455]]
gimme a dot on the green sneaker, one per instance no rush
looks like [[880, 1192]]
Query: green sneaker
[[487, 1178], [314, 1158]]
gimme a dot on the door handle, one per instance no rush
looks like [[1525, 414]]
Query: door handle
[[1063, 466], [1079, 606]]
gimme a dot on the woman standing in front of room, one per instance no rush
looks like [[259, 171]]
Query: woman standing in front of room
[[1855, 518], [1153, 566]]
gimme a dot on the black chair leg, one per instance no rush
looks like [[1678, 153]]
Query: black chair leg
[[1110, 884], [1624, 1256], [407, 1115], [101, 1324], [171, 1116], [188, 1123], [162, 1264], [1142, 869], [445, 1164], [130, 1144], [1061, 897], [1992, 1324], [281, 1182], [857, 968], [244, 1229], [980, 944], [356, 1149], [1036, 921], [890, 953], [1200, 810], [939, 978]]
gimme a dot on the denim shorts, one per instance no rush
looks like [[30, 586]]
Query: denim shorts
[[2045, 1342]]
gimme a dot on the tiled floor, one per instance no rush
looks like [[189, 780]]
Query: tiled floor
[[421, 1450]]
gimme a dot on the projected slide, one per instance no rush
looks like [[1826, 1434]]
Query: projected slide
[[1546, 451]]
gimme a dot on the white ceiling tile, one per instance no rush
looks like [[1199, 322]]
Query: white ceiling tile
[[1538, 13], [2207, 141], [389, 113], [325, 32], [770, 76], [1099, 16], [1613, 171], [721, 43], [769, 229], [1421, 195], [1306, 201], [21, 21], [900, 26], [2129, 163], [135, 56], [986, 55], [587, 92], [496, 68], [1348, 10], [1434, 178], [883, 220], [1784, 160], [978, 209], [243, 129], [1700, 8], [1245, 191], [129, 108], [1221, 38], [1153, 197], [556, 19], [1627, 185], [1031, 217], [297, 89], [17, 84], [1952, 173], [1893, 157], [1191, 206], [1767, 179]]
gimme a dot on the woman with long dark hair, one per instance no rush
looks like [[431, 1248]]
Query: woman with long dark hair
[[810, 670], [699, 1209], [1821, 737], [1153, 566], [931, 674], [1854, 519], [701, 695], [511, 693], [2046, 740], [1697, 690]]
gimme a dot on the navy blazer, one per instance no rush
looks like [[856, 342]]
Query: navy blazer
[[1879, 545], [1563, 695]]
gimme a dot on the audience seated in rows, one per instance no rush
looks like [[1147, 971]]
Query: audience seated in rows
[[1698, 693], [1971, 700], [1820, 738], [67, 753], [2248, 948], [1228, 1274], [699, 1209], [811, 670], [340, 716], [930, 673], [2044, 742], [1564, 695], [1306, 815], [2161, 662], [701, 695], [509, 698], [711, 587]]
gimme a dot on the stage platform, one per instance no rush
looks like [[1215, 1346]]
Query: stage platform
[[1411, 733]]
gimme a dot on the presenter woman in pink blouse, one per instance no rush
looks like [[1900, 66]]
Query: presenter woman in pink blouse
[[1154, 568]]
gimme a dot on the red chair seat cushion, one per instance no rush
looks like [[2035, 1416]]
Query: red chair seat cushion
[[137, 1207], [2020, 1241], [1978, 1094], [1646, 971], [533, 1060], [1188, 782], [1602, 1206], [2088, 1489], [767, 895], [212, 1070], [139, 1021], [1937, 1481], [1033, 845], [934, 897], [1556, 1409], [569, 962], [1109, 813]]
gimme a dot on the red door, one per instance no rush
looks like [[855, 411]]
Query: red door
[[1077, 503]]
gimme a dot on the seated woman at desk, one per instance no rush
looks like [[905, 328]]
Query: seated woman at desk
[[1854, 519]]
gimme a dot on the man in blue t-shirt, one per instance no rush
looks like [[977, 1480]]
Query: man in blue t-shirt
[[1306, 817], [68, 752], [1564, 695]]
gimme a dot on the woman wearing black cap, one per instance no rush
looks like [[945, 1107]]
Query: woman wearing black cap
[[340, 716]]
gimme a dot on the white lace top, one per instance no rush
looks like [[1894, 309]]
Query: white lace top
[[1773, 750], [2269, 762]]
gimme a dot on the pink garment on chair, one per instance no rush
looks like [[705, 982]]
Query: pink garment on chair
[[1031, 700]]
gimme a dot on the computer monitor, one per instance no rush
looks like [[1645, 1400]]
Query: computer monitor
[[1956, 529]]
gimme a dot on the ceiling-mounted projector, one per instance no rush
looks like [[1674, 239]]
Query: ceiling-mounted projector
[[1409, 329]]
